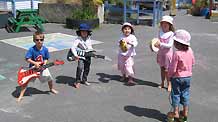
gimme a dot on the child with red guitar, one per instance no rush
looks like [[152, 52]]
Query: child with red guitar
[[37, 56]]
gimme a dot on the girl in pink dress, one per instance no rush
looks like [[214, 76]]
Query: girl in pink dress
[[125, 57], [164, 55]]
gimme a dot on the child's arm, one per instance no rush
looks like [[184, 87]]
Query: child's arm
[[133, 41], [36, 64], [74, 47], [167, 45], [173, 66], [193, 57], [89, 44]]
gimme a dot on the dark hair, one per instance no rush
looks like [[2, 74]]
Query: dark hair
[[180, 46], [79, 34], [172, 28], [132, 31]]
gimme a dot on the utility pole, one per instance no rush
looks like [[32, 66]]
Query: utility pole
[[172, 7]]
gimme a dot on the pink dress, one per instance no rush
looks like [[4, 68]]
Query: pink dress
[[165, 53], [125, 59]]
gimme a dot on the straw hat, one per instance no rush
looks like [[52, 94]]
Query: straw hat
[[152, 43], [182, 36]]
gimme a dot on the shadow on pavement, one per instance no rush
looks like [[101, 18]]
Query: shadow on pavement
[[29, 92], [105, 78], [65, 80], [146, 112]]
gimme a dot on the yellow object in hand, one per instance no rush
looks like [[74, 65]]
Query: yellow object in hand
[[123, 45]]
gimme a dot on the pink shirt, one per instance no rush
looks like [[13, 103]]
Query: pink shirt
[[182, 63]]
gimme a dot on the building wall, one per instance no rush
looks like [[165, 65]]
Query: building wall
[[20, 4]]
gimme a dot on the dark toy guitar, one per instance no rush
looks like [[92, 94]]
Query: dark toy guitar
[[83, 54]]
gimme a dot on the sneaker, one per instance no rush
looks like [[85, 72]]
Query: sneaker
[[86, 83], [176, 119], [185, 119]]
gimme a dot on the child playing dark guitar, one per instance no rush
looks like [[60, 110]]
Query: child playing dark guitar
[[37, 56], [82, 42]]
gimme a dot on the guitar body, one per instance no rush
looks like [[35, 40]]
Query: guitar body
[[81, 53], [24, 75]]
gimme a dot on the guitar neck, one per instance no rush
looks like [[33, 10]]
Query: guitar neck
[[91, 54], [48, 65], [100, 56]]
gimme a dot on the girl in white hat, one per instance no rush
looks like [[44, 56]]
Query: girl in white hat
[[127, 44], [180, 72], [164, 55]]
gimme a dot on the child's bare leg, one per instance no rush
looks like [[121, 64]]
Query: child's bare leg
[[163, 77], [169, 85], [51, 87], [176, 111], [185, 111], [23, 89]]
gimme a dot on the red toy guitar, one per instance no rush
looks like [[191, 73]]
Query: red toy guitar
[[26, 74]]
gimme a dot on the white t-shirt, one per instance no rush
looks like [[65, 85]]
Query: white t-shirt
[[81, 44]]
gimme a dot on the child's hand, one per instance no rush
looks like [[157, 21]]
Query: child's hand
[[129, 43], [37, 64], [77, 58], [157, 44]]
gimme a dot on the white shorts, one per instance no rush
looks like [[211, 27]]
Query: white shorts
[[45, 76]]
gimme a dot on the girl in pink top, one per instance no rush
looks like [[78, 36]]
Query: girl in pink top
[[164, 55], [125, 57], [180, 72]]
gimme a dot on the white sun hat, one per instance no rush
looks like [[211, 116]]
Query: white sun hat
[[168, 19], [182, 36], [127, 24]]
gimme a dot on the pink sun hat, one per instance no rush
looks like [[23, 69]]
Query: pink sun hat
[[182, 36]]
